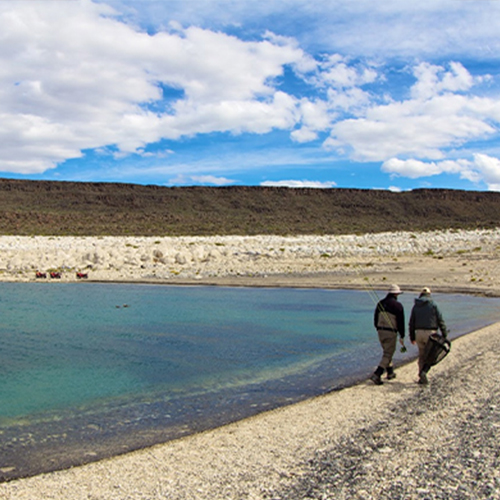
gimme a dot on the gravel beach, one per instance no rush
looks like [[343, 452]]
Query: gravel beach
[[398, 441], [446, 260]]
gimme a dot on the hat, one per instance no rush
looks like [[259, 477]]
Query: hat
[[426, 291], [395, 290]]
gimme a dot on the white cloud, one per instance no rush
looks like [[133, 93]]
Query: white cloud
[[253, 116], [314, 116], [362, 28], [337, 73], [488, 168], [211, 66], [74, 78], [348, 100], [299, 184], [415, 168], [304, 134], [436, 117], [77, 75], [433, 80], [201, 179], [483, 168]]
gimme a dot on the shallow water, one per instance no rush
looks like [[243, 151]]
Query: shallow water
[[91, 370]]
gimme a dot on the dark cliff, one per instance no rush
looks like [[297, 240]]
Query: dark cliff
[[82, 208]]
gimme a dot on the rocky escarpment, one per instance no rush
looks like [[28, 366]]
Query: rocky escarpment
[[92, 209]]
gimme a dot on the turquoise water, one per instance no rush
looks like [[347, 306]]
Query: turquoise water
[[72, 344], [89, 370]]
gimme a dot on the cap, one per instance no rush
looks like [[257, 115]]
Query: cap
[[395, 290], [426, 290]]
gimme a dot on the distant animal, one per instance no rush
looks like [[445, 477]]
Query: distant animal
[[55, 275], [82, 276], [40, 275]]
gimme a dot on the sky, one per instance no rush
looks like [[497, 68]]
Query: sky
[[367, 94]]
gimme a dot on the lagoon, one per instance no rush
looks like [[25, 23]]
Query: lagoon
[[92, 370]]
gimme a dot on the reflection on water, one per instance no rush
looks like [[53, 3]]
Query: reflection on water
[[91, 370]]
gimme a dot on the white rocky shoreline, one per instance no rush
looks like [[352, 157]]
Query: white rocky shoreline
[[165, 259], [399, 441]]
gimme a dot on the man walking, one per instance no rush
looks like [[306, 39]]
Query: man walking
[[425, 319], [389, 320]]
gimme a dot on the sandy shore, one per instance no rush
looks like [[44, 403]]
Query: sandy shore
[[399, 440]]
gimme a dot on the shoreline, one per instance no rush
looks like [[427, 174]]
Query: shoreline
[[443, 260], [291, 452], [97, 446], [281, 453]]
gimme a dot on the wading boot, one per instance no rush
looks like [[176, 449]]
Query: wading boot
[[375, 378], [390, 373], [422, 380]]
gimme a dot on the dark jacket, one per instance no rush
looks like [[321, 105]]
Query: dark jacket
[[389, 315], [425, 315]]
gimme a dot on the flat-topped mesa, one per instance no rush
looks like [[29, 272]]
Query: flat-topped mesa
[[83, 208]]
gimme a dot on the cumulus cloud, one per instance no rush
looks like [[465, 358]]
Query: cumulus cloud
[[79, 76], [437, 116], [75, 78], [433, 80], [416, 168], [78, 79], [488, 169], [299, 184], [338, 73], [482, 168], [315, 116]]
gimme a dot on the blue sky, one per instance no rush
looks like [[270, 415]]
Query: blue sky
[[379, 95]]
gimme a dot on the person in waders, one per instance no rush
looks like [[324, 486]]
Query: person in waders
[[425, 320], [389, 320]]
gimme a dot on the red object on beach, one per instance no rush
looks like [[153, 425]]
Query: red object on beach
[[55, 275], [41, 275], [82, 276]]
